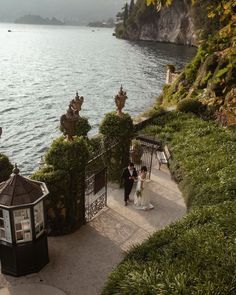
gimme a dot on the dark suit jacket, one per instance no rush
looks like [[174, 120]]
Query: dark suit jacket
[[126, 175]]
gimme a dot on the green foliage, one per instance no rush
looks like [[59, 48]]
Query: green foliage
[[196, 255], [204, 157], [120, 31], [56, 205], [134, 18], [117, 129], [204, 26], [82, 126], [96, 148], [95, 145], [189, 105], [191, 69], [155, 111], [67, 155], [5, 168], [64, 175]]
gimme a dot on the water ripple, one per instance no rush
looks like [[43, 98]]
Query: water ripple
[[8, 110], [36, 85]]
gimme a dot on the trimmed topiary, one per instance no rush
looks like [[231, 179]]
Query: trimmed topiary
[[67, 155], [82, 127], [65, 177], [5, 168], [120, 130]]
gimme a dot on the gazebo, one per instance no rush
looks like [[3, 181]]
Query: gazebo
[[23, 239]]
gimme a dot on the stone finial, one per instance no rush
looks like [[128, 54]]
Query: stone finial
[[69, 120], [76, 103], [15, 171], [120, 99]]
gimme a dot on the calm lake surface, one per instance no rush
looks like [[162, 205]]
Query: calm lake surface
[[41, 67]]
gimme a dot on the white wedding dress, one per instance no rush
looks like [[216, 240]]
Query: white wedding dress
[[143, 202]]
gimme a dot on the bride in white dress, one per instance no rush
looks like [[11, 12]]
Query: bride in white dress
[[142, 194]]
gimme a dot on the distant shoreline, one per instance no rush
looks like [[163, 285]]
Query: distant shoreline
[[38, 20]]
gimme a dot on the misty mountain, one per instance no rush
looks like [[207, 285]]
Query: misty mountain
[[82, 11]]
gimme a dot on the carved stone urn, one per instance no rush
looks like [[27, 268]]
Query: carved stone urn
[[120, 99], [69, 120]]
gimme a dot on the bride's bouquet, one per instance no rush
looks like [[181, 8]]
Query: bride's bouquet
[[139, 193]]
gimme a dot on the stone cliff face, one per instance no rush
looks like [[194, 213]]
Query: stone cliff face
[[172, 24]]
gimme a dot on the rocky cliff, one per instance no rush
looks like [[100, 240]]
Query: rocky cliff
[[171, 24]]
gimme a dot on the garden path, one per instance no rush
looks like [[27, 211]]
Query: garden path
[[81, 262]]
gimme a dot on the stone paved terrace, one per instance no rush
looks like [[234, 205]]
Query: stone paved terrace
[[81, 262]]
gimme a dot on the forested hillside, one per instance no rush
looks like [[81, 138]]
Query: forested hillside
[[211, 76]]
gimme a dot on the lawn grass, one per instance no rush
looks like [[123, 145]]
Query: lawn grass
[[196, 255]]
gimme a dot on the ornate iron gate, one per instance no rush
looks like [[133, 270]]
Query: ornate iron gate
[[96, 182], [95, 193]]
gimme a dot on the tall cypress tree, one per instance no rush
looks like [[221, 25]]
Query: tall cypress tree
[[126, 13], [131, 6]]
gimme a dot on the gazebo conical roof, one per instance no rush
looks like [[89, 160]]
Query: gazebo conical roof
[[18, 190]]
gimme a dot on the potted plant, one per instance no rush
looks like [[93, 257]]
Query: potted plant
[[136, 151]]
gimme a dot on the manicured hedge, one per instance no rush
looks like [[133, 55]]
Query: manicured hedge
[[64, 174], [5, 168], [117, 129], [196, 255]]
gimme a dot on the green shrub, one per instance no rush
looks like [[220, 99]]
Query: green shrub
[[64, 175], [114, 127], [5, 168], [96, 148], [189, 105], [56, 204], [154, 112], [95, 145], [120, 30], [196, 255], [82, 126], [67, 155], [203, 157], [120, 130]]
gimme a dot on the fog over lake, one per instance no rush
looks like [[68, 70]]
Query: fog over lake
[[82, 11]]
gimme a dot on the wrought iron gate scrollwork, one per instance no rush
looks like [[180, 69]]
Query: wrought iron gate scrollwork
[[95, 193]]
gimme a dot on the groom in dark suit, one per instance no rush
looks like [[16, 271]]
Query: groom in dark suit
[[129, 175]]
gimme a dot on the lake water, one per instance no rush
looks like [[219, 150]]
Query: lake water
[[41, 67]]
